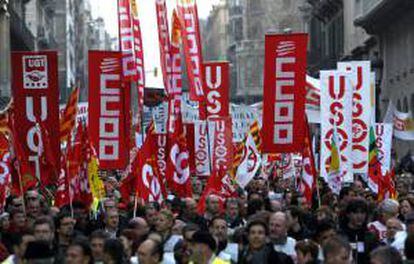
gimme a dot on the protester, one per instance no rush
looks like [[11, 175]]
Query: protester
[[337, 250], [307, 252], [385, 255], [79, 252], [150, 252], [279, 235]]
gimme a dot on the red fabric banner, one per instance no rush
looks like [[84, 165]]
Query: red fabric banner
[[284, 93], [187, 11], [108, 110], [216, 80], [308, 179], [36, 95], [164, 40], [5, 171], [201, 149], [126, 41], [223, 144], [139, 56], [190, 136], [161, 156]]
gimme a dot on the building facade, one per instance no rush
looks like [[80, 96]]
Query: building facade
[[215, 34]]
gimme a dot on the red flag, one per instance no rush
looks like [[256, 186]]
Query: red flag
[[308, 181], [126, 43], [164, 40], [284, 93], [178, 167], [217, 83], [222, 151], [48, 161], [187, 11], [5, 170], [386, 187], [62, 197]]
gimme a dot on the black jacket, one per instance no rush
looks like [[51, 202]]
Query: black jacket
[[266, 255]]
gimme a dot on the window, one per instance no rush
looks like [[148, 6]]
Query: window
[[405, 109]]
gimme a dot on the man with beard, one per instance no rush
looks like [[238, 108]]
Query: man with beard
[[354, 228]]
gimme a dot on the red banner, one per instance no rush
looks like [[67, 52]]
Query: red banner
[[126, 40], [165, 45], [108, 110], [216, 79], [36, 95], [284, 93], [187, 10], [223, 144], [161, 156], [139, 55]]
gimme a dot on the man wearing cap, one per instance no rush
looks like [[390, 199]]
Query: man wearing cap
[[202, 248]]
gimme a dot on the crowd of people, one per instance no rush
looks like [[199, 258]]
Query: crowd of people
[[266, 223]]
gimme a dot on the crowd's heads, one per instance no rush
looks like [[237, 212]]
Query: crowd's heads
[[306, 251], [278, 227], [151, 213], [150, 252], [408, 247], [114, 252], [112, 219], [65, 224], [165, 221], [394, 225], [232, 208], [409, 222], [97, 241], [406, 205], [324, 231], [385, 255], [213, 204], [39, 252], [337, 250], [44, 229], [257, 232], [218, 228], [33, 206], [202, 247], [356, 213], [139, 226], [388, 209], [79, 252]]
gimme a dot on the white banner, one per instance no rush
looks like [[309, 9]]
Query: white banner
[[403, 123], [336, 111], [383, 141], [242, 117], [360, 77], [201, 149]]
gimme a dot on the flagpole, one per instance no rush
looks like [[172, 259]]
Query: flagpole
[[135, 204], [21, 187]]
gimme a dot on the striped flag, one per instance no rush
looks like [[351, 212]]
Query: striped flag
[[67, 122], [374, 170], [334, 173]]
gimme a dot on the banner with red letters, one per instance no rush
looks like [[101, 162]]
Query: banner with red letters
[[336, 122], [216, 80], [164, 40], [383, 141], [360, 76], [126, 40], [187, 12], [36, 95], [284, 93], [222, 151], [201, 149], [108, 110]]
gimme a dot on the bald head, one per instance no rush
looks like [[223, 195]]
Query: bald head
[[278, 226], [139, 225], [149, 252]]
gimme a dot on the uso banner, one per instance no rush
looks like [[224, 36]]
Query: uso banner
[[360, 77], [107, 109], [284, 93], [187, 11], [201, 149], [222, 151], [336, 117], [36, 95], [216, 79], [383, 141]]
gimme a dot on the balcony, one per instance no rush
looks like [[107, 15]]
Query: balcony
[[378, 13], [22, 38]]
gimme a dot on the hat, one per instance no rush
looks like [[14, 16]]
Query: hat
[[38, 250], [409, 218], [206, 238]]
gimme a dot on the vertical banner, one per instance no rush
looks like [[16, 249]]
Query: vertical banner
[[216, 80], [161, 155], [126, 40], [359, 73], [164, 40], [336, 126], [222, 150], [201, 149], [187, 11], [36, 94], [403, 123], [284, 93], [108, 109], [383, 141], [139, 55]]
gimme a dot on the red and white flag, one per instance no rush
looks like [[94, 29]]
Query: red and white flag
[[165, 45], [187, 11], [222, 156], [5, 171], [216, 79], [201, 149], [126, 41], [308, 179], [108, 110], [250, 162], [284, 93], [36, 95]]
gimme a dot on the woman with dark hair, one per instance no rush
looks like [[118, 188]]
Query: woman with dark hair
[[79, 252], [406, 207], [114, 252]]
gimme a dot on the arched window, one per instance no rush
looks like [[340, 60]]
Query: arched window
[[399, 105]]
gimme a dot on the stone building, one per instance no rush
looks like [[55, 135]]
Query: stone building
[[215, 33], [392, 23]]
